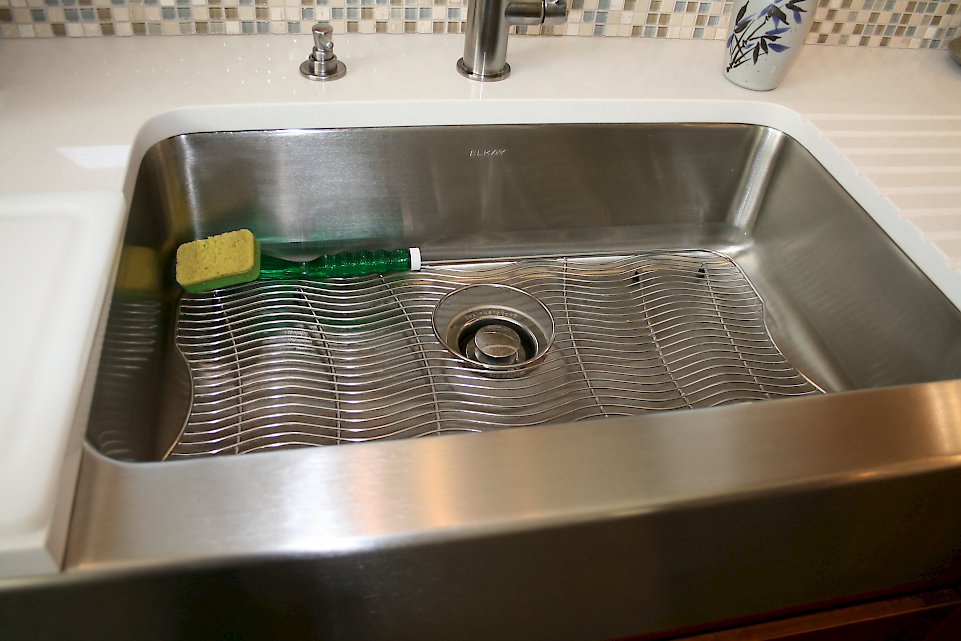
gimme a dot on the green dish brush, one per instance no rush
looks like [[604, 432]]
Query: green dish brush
[[234, 258]]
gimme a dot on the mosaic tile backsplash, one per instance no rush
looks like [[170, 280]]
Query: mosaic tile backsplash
[[872, 23]]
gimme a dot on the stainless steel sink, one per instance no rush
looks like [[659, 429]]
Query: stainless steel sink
[[686, 266], [750, 401]]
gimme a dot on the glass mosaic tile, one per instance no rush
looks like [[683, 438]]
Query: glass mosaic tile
[[871, 23]]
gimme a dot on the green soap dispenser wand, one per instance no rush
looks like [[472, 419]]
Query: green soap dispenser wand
[[342, 265]]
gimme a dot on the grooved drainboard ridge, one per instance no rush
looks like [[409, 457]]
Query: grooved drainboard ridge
[[301, 363]]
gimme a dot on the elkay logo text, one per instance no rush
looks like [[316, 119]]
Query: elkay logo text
[[487, 153]]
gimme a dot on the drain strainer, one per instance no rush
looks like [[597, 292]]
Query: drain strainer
[[496, 329]]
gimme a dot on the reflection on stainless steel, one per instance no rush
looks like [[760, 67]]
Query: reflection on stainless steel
[[297, 363], [600, 529], [128, 359]]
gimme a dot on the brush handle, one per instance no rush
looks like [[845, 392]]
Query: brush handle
[[342, 265]]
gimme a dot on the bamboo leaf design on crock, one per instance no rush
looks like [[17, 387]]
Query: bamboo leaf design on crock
[[756, 35]]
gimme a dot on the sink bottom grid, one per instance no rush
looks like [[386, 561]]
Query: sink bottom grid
[[300, 363]]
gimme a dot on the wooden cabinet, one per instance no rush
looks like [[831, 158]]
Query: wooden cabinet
[[926, 616]]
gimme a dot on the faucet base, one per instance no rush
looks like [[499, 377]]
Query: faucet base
[[489, 77]]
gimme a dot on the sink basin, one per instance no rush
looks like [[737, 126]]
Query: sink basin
[[735, 396], [612, 226]]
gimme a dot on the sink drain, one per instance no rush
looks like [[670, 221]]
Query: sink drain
[[496, 329]]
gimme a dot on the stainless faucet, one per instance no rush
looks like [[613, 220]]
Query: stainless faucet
[[485, 43]]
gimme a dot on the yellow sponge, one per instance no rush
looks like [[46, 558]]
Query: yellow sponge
[[219, 261]]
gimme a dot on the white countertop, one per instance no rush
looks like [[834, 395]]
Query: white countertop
[[75, 115]]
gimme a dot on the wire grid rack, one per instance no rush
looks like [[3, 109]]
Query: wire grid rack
[[298, 363]]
